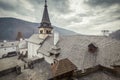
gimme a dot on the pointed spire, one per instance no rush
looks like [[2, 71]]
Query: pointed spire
[[45, 17], [45, 23]]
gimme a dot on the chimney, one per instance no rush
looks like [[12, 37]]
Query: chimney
[[54, 66], [56, 38], [19, 36]]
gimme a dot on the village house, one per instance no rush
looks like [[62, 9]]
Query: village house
[[6, 47], [9, 48]]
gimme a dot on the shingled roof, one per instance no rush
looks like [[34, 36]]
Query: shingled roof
[[63, 66], [35, 39], [75, 48]]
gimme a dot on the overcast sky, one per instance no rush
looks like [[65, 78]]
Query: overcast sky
[[82, 16]]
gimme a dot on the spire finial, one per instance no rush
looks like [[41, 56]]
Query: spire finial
[[45, 2]]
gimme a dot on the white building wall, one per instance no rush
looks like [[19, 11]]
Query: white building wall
[[6, 50], [49, 59], [32, 49], [22, 47], [23, 51]]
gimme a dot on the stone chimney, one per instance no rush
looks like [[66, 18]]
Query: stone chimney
[[54, 66], [56, 38], [19, 36]]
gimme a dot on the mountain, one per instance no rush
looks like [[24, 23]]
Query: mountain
[[115, 35], [9, 27]]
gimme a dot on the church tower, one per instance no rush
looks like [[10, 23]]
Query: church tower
[[45, 28]]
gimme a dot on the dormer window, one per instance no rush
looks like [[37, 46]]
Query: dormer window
[[51, 54], [92, 48]]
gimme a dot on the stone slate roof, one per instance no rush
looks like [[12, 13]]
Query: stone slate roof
[[99, 75], [8, 63], [64, 66], [75, 48], [35, 39], [8, 44], [41, 71]]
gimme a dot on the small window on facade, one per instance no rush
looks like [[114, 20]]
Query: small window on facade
[[12, 44], [2, 45], [51, 54], [92, 48], [41, 31], [47, 32]]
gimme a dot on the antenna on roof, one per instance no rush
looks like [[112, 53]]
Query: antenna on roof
[[105, 32]]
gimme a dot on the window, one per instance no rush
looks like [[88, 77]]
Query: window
[[51, 54], [41, 31], [12, 44], [2, 45], [92, 48], [56, 55], [48, 32]]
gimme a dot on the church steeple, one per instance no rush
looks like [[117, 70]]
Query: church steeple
[[45, 27], [45, 17], [45, 22]]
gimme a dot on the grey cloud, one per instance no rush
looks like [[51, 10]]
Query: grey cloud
[[61, 6], [105, 11], [75, 19], [103, 21], [87, 14], [99, 11], [14, 6], [6, 6], [102, 2]]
